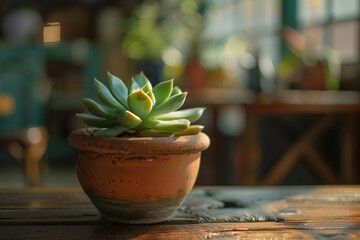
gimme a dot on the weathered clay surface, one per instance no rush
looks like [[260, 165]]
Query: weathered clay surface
[[137, 213]]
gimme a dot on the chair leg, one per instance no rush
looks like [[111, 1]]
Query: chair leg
[[319, 165], [292, 154], [37, 139]]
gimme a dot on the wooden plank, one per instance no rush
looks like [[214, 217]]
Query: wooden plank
[[337, 230], [43, 198], [209, 213]]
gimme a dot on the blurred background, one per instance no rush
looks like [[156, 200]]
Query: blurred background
[[279, 78]]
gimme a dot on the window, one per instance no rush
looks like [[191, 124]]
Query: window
[[332, 24], [234, 26]]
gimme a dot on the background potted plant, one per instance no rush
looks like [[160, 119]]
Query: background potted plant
[[142, 157]]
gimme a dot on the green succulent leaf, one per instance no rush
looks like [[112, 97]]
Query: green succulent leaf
[[172, 104], [175, 91], [191, 130], [139, 103], [140, 109], [96, 121], [110, 132], [99, 109], [192, 114], [162, 91], [128, 119], [152, 97], [133, 87], [155, 133], [168, 126], [118, 89], [105, 95], [143, 82]]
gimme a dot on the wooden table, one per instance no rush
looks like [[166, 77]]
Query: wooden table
[[324, 107], [297, 212]]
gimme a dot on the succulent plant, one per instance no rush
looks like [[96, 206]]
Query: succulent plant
[[139, 109]]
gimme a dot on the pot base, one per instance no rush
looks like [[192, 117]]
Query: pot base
[[136, 213]]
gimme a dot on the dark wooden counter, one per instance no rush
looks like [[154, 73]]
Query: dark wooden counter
[[316, 212]]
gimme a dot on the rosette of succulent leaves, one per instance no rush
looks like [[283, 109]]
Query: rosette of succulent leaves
[[139, 109]]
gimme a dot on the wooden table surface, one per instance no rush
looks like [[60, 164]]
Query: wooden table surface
[[296, 212]]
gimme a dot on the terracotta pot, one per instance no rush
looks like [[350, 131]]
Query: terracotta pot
[[137, 180]]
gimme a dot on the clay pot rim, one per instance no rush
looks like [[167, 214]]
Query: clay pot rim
[[82, 140]]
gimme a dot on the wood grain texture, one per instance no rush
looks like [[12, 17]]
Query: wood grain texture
[[312, 212]]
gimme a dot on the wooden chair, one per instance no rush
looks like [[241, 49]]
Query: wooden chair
[[21, 69], [28, 147]]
